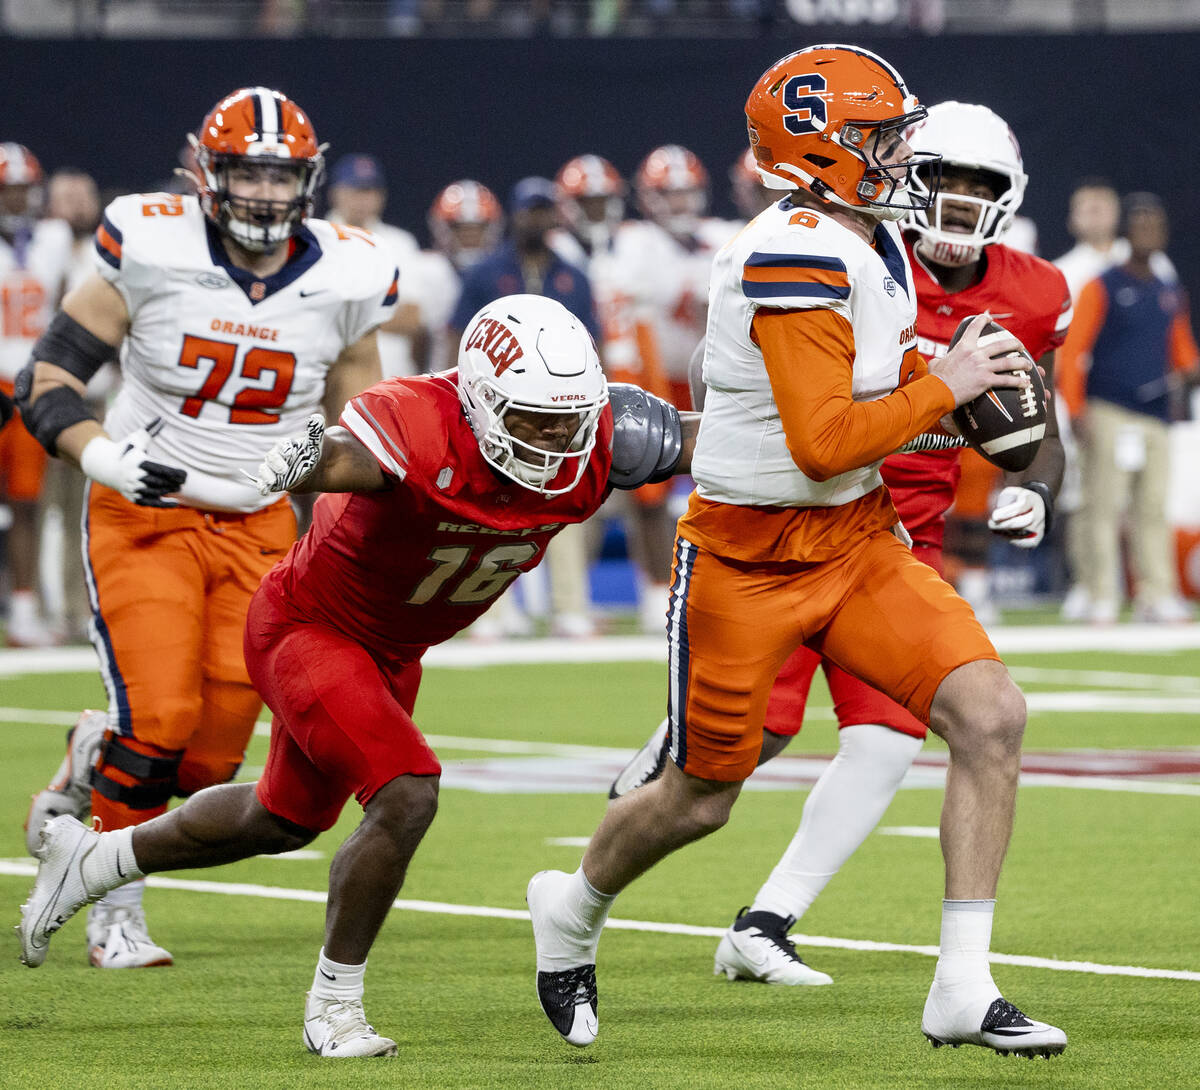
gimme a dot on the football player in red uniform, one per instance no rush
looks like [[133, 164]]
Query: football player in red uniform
[[959, 269], [448, 487]]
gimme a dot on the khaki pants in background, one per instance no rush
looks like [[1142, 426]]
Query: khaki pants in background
[[1126, 459]]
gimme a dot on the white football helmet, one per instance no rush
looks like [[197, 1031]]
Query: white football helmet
[[975, 138], [530, 354]]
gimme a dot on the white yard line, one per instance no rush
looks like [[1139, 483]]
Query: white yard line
[[466, 654], [22, 869]]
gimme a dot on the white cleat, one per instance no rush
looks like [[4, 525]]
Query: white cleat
[[70, 792], [118, 939], [647, 764], [59, 890], [338, 1028], [568, 996], [988, 1020], [757, 947]]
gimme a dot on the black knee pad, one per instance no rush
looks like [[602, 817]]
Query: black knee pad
[[157, 776]]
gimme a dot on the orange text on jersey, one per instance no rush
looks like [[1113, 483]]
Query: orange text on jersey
[[241, 329]]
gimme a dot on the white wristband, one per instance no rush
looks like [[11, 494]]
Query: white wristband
[[100, 460]]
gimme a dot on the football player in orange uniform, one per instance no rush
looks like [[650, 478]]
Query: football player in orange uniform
[[35, 260], [813, 376], [960, 268], [235, 315]]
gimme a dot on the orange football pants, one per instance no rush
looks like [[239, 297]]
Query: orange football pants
[[876, 611], [169, 591], [22, 459]]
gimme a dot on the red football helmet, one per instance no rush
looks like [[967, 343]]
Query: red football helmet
[[465, 221], [255, 129], [591, 198], [20, 188], [672, 189], [826, 119]]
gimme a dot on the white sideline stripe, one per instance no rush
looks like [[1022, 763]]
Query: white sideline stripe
[[442, 908], [468, 654], [568, 841], [932, 832]]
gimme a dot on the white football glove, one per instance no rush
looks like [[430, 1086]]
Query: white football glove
[[1020, 516], [289, 461], [122, 465]]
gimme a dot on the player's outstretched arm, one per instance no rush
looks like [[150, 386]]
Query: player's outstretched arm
[[652, 440], [320, 460]]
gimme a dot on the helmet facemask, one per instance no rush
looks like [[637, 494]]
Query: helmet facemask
[[529, 465], [886, 189], [955, 248], [258, 225], [529, 354]]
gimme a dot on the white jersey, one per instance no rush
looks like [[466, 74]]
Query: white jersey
[[795, 259], [395, 349], [33, 273], [231, 363], [652, 279]]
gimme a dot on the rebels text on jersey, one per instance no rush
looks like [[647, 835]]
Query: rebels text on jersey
[[231, 362], [405, 568], [1025, 294]]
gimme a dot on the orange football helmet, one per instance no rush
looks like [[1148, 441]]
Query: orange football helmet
[[20, 188], [255, 128], [591, 198], [672, 189], [824, 119], [465, 221]]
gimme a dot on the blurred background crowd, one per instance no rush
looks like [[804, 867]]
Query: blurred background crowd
[[626, 242]]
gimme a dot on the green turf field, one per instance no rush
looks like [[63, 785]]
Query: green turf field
[[1107, 877]]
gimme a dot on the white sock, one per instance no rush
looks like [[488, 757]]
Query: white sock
[[126, 896], [111, 862], [966, 938], [841, 810], [580, 913], [22, 609], [333, 980]]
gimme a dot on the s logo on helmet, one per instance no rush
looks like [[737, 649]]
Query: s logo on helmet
[[810, 116], [497, 342]]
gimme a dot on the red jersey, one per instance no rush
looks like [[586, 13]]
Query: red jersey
[[407, 567], [1025, 294]]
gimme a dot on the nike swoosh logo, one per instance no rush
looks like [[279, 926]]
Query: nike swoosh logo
[[306, 294], [1011, 1032], [327, 976], [120, 872]]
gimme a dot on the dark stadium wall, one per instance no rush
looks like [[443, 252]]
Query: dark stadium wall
[[436, 110]]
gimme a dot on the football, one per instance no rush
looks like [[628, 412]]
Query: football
[[1005, 425]]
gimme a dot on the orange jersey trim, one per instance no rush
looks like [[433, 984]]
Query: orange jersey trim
[[105, 240], [782, 534], [771, 275]]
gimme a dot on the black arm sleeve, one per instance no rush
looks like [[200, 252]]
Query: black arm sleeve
[[647, 437], [53, 412], [68, 345]]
